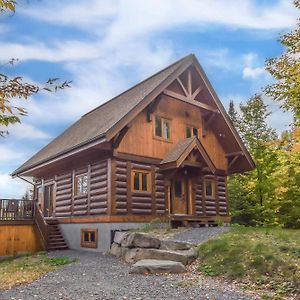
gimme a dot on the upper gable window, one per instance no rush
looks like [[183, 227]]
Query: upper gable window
[[191, 131], [162, 128], [81, 184]]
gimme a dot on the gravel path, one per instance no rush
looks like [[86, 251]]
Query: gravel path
[[199, 235], [97, 276]]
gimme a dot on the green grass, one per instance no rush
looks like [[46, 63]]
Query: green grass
[[258, 258], [25, 269]]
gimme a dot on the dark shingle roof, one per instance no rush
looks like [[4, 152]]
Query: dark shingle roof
[[177, 151], [97, 122]]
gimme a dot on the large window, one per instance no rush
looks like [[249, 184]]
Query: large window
[[162, 128], [191, 131], [89, 238], [140, 181], [209, 188], [81, 184]]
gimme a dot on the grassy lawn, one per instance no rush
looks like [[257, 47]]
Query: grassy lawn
[[28, 268], [266, 259]]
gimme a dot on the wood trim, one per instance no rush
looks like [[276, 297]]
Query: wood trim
[[129, 192], [118, 138], [137, 158], [148, 180], [192, 102], [109, 219], [153, 189], [223, 111], [85, 244], [73, 191], [234, 153], [234, 159], [149, 98], [16, 222], [109, 186], [182, 86], [70, 152], [213, 181], [89, 189], [54, 196], [112, 210]]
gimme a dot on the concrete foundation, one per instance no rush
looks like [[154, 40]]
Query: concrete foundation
[[72, 234]]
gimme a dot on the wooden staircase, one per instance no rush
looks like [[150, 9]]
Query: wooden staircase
[[56, 240], [49, 231]]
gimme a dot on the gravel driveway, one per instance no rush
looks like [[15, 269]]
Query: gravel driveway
[[98, 276], [199, 235]]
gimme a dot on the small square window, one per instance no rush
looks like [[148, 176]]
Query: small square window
[[209, 188], [191, 131], [81, 184], [89, 238], [141, 181]]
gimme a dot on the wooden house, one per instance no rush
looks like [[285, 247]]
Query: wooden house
[[161, 149]]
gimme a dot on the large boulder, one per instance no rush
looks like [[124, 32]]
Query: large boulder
[[116, 250], [174, 245], [153, 266], [135, 254], [139, 240], [119, 236]]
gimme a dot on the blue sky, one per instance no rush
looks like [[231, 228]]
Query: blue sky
[[104, 47]]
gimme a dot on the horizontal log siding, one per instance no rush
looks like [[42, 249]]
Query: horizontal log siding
[[199, 203], [138, 203], [159, 192], [67, 204], [98, 188], [64, 195], [221, 189], [121, 184], [80, 204]]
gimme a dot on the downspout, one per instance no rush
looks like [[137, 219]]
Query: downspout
[[24, 179]]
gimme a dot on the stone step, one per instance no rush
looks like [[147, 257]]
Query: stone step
[[154, 266], [175, 245], [183, 256]]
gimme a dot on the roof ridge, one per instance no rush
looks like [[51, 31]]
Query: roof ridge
[[139, 83]]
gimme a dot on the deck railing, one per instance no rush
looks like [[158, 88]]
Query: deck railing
[[16, 209]]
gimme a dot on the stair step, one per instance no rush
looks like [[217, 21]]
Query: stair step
[[58, 248]]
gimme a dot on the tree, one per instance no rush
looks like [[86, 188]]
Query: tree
[[12, 88], [286, 70]]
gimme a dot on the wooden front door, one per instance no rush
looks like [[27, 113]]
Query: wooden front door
[[48, 200], [179, 195]]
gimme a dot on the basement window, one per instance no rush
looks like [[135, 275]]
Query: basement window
[[162, 128], [140, 181], [191, 131], [81, 184], [89, 238], [209, 188]]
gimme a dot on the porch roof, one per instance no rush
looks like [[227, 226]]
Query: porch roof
[[180, 152]]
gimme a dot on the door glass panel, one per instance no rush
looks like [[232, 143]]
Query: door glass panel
[[178, 188], [136, 183], [144, 182]]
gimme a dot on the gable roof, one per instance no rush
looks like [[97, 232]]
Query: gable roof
[[180, 152], [96, 123], [102, 123]]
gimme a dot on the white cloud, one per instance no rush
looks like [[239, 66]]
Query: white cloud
[[12, 188], [135, 18], [8, 153], [26, 131], [253, 73]]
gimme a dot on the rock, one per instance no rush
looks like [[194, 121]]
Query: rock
[[191, 254], [135, 254], [115, 250], [131, 256], [174, 245], [139, 240], [153, 266], [119, 236]]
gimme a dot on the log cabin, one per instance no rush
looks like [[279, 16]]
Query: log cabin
[[161, 149]]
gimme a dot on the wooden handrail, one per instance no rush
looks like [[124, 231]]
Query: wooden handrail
[[16, 209], [41, 225]]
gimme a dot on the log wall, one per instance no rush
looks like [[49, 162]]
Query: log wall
[[211, 207], [141, 202], [67, 204]]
